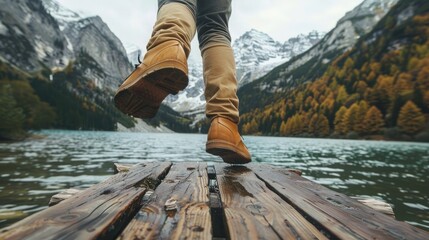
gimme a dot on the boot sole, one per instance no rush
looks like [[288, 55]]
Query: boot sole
[[143, 98], [229, 153]]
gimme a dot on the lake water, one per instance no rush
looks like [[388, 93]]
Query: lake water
[[34, 170]]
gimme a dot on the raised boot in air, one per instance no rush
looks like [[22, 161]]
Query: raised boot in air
[[224, 140], [163, 71], [164, 68]]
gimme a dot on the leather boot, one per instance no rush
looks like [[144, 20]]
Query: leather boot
[[224, 140], [164, 69]]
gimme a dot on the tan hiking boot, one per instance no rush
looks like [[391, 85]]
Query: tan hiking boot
[[164, 71], [224, 140]]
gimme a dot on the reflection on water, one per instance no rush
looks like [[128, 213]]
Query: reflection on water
[[32, 171]]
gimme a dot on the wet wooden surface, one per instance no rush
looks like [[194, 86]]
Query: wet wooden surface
[[341, 216], [187, 214], [252, 211], [191, 200], [98, 212]]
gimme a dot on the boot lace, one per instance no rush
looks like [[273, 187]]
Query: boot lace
[[138, 60]]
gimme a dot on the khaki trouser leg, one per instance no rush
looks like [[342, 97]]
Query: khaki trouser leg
[[175, 21], [164, 68], [221, 83]]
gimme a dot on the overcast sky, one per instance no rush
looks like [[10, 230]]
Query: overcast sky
[[132, 20]]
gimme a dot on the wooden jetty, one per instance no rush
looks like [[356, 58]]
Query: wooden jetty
[[191, 200]]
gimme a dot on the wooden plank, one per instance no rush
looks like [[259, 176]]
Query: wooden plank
[[340, 215], [186, 186], [68, 193], [253, 211], [101, 211]]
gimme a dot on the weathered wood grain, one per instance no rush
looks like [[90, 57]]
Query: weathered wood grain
[[59, 197], [254, 212], [341, 216], [98, 212], [68, 193], [187, 184]]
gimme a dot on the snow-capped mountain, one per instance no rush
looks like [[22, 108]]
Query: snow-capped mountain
[[191, 100], [61, 14], [348, 30], [89, 34], [313, 62], [40, 34], [255, 54]]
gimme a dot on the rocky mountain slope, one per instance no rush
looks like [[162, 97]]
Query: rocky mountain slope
[[92, 36], [30, 37], [313, 62], [256, 53]]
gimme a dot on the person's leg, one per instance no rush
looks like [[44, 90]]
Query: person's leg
[[175, 21], [164, 69], [220, 80], [218, 59]]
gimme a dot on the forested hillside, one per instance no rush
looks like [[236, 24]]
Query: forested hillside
[[64, 100], [378, 89], [35, 102]]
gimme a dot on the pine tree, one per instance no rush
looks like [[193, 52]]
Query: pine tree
[[411, 119], [361, 87], [423, 77], [359, 127], [341, 95], [339, 120], [351, 118], [323, 126], [283, 129], [403, 84], [319, 125], [11, 116], [253, 127], [295, 125], [305, 121], [288, 127], [373, 122]]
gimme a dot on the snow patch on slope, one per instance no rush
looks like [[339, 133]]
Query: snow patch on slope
[[62, 14]]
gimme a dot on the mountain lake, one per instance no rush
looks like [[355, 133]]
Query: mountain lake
[[33, 170]]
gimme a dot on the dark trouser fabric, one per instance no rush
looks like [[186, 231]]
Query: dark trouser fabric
[[212, 18]]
